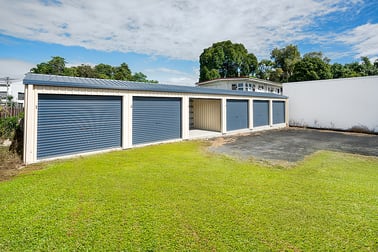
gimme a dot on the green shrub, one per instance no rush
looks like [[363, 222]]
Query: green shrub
[[8, 126]]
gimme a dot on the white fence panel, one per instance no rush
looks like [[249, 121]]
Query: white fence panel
[[346, 104]]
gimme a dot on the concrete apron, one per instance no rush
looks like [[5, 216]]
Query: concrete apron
[[203, 134]]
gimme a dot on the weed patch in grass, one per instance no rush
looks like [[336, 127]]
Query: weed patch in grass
[[180, 197], [9, 163]]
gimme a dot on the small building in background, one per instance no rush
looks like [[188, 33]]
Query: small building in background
[[14, 88], [244, 84]]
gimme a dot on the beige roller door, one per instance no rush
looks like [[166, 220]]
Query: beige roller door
[[207, 114]]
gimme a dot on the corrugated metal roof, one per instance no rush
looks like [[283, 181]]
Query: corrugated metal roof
[[236, 79], [78, 82]]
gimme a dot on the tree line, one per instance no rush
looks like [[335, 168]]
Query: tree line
[[57, 66], [226, 60]]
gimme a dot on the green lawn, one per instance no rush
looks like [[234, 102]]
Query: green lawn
[[180, 197]]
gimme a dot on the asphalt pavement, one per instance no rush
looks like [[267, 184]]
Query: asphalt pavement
[[293, 144]]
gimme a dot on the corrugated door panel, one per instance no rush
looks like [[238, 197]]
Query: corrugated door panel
[[156, 119], [71, 124], [191, 114], [237, 114], [278, 112], [207, 114], [260, 113]]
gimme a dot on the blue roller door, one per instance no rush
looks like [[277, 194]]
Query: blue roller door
[[237, 114], [72, 124], [260, 113], [278, 112], [156, 119]]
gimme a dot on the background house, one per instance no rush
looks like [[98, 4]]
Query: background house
[[14, 88], [244, 84]]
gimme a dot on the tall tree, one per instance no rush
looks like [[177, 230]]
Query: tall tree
[[122, 72], [226, 59], [104, 71], [57, 66], [311, 67], [353, 69], [70, 71], [369, 68], [206, 74], [264, 69], [338, 71], [141, 77], [54, 66], [286, 58], [317, 55], [85, 71], [276, 75]]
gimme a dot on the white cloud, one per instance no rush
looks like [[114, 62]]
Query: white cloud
[[173, 76], [364, 40], [74, 64], [15, 69], [165, 70], [184, 81], [175, 28]]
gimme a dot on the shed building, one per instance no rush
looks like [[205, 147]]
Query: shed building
[[69, 116]]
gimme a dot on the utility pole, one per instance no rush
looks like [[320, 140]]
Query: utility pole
[[7, 83]]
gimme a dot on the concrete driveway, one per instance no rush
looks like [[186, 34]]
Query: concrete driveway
[[293, 144]]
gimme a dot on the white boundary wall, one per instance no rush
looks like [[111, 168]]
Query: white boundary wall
[[334, 104]]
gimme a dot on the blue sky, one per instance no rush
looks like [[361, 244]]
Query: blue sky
[[164, 39]]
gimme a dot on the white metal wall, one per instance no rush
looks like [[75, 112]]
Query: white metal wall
[[336, 104]]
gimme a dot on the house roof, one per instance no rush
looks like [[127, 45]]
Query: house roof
[[255, 80], [78, 82]]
